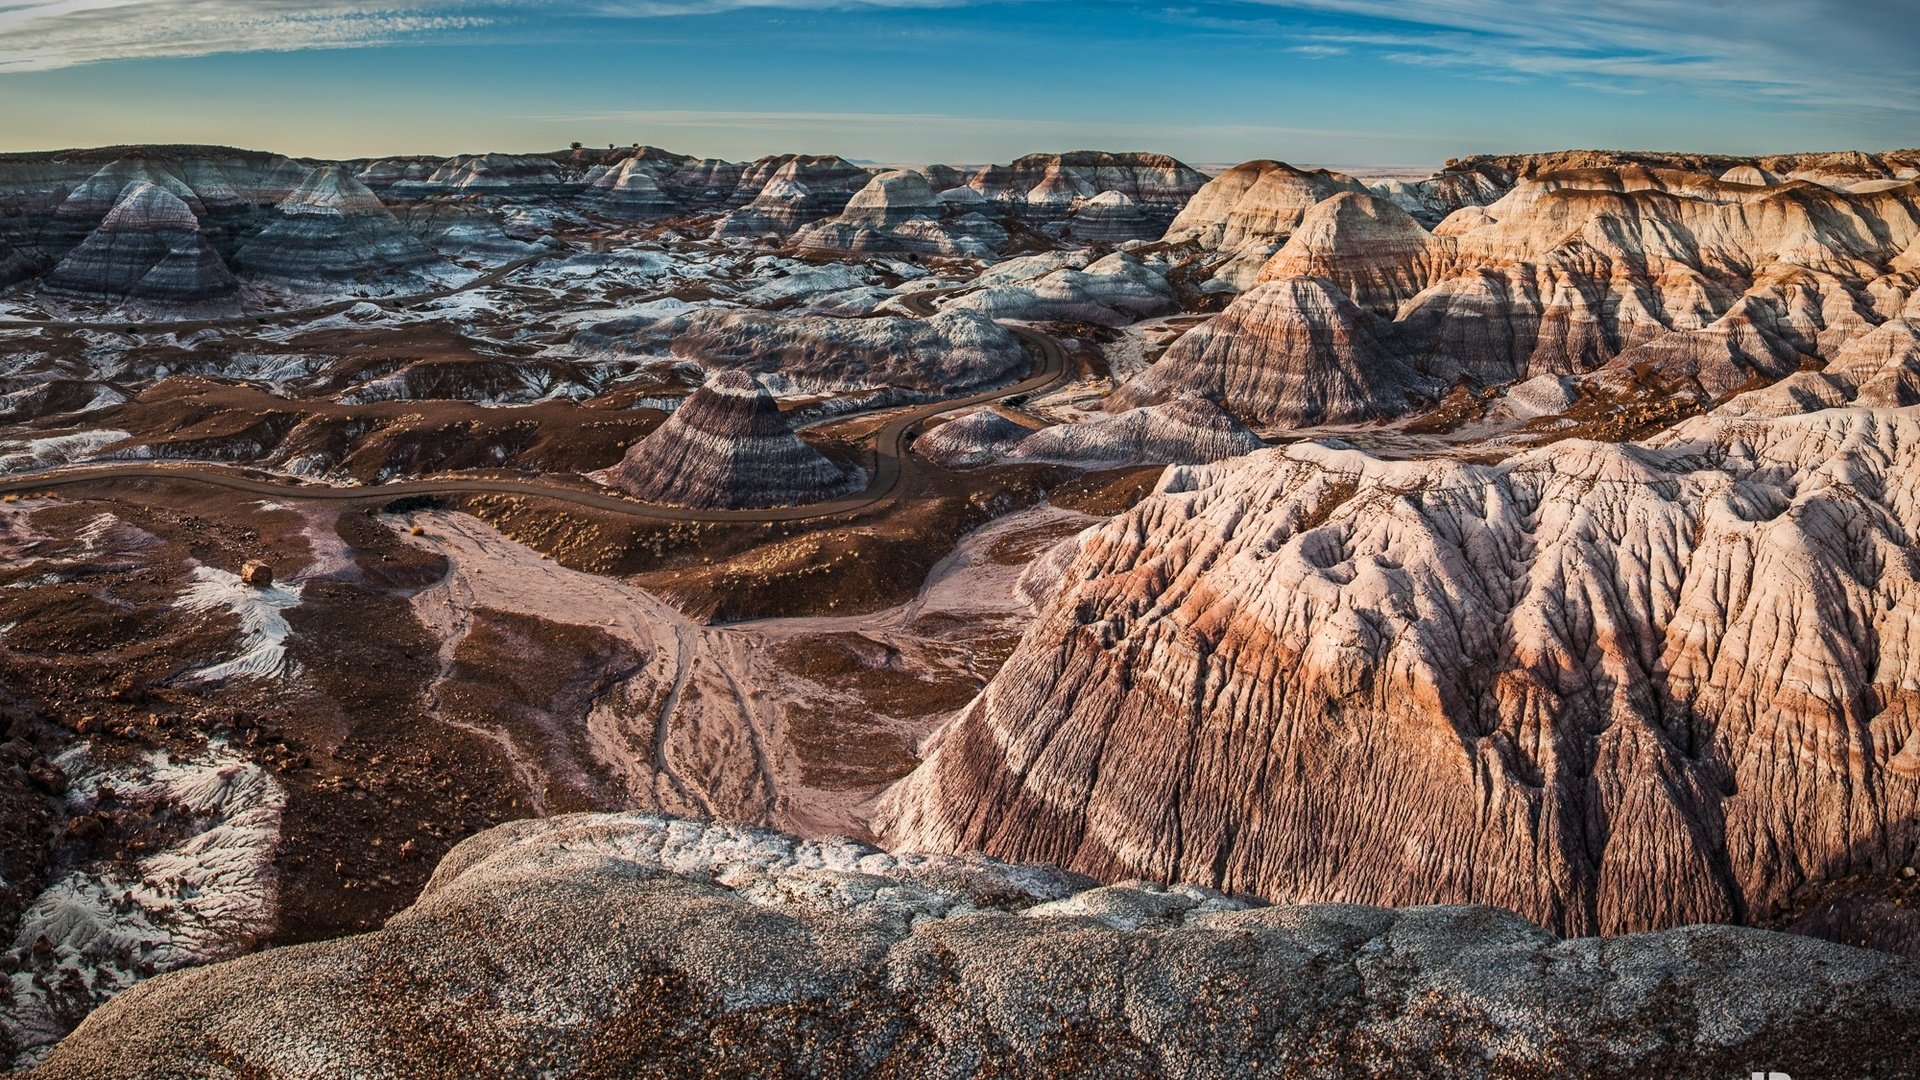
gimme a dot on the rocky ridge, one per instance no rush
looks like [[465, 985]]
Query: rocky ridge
[[1708, 285], [635, 944]]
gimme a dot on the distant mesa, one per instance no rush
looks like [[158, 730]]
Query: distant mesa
[[898, 213], [629, 190], [1048, 185], [149, 248], [727, 447], [801, 191], [334, 229], [509, 175]]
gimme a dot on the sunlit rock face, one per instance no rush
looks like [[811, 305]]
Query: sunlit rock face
[[1710, 286], [1611, 687], [148, 247], [1247, 212], [333, 229], [591, 945], [728, 447], [1293, 351]]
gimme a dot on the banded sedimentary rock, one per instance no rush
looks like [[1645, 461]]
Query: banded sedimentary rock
[[954, 350], [630, 190], [334, 229], [801, 191], [1112, 291], [148, 248], [1295, 350], [1483, 179], [1247, 212], [1189, 430], [1110, 218], [15, 265], [637, 945], [1712, 286], [509, 175], [65, 195], [898, 213], [382, 174], [462, 228], [1046, 186], [728, 447], [1611, 687]]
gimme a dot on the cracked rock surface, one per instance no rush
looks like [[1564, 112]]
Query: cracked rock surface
[[637, 945]]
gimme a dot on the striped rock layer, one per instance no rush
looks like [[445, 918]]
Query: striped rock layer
[[332, 228], [148, 248], [1711, 285], [728, 447], [1610, 687]]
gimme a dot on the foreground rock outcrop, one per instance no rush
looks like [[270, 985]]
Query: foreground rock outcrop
[[638, 945], [1611, 687], [728, 447]]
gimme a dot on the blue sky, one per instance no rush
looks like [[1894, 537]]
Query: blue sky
[[1313, 81]]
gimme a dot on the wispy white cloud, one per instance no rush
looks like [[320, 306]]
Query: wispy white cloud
[[47, 34], [63, 33], [1854, 55]]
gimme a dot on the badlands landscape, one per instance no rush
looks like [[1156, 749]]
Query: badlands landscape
[[615, 613]]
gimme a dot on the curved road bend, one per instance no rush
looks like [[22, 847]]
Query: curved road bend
[[890, 462]]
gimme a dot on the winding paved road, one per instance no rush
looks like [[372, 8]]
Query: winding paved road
[[891, 459]]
